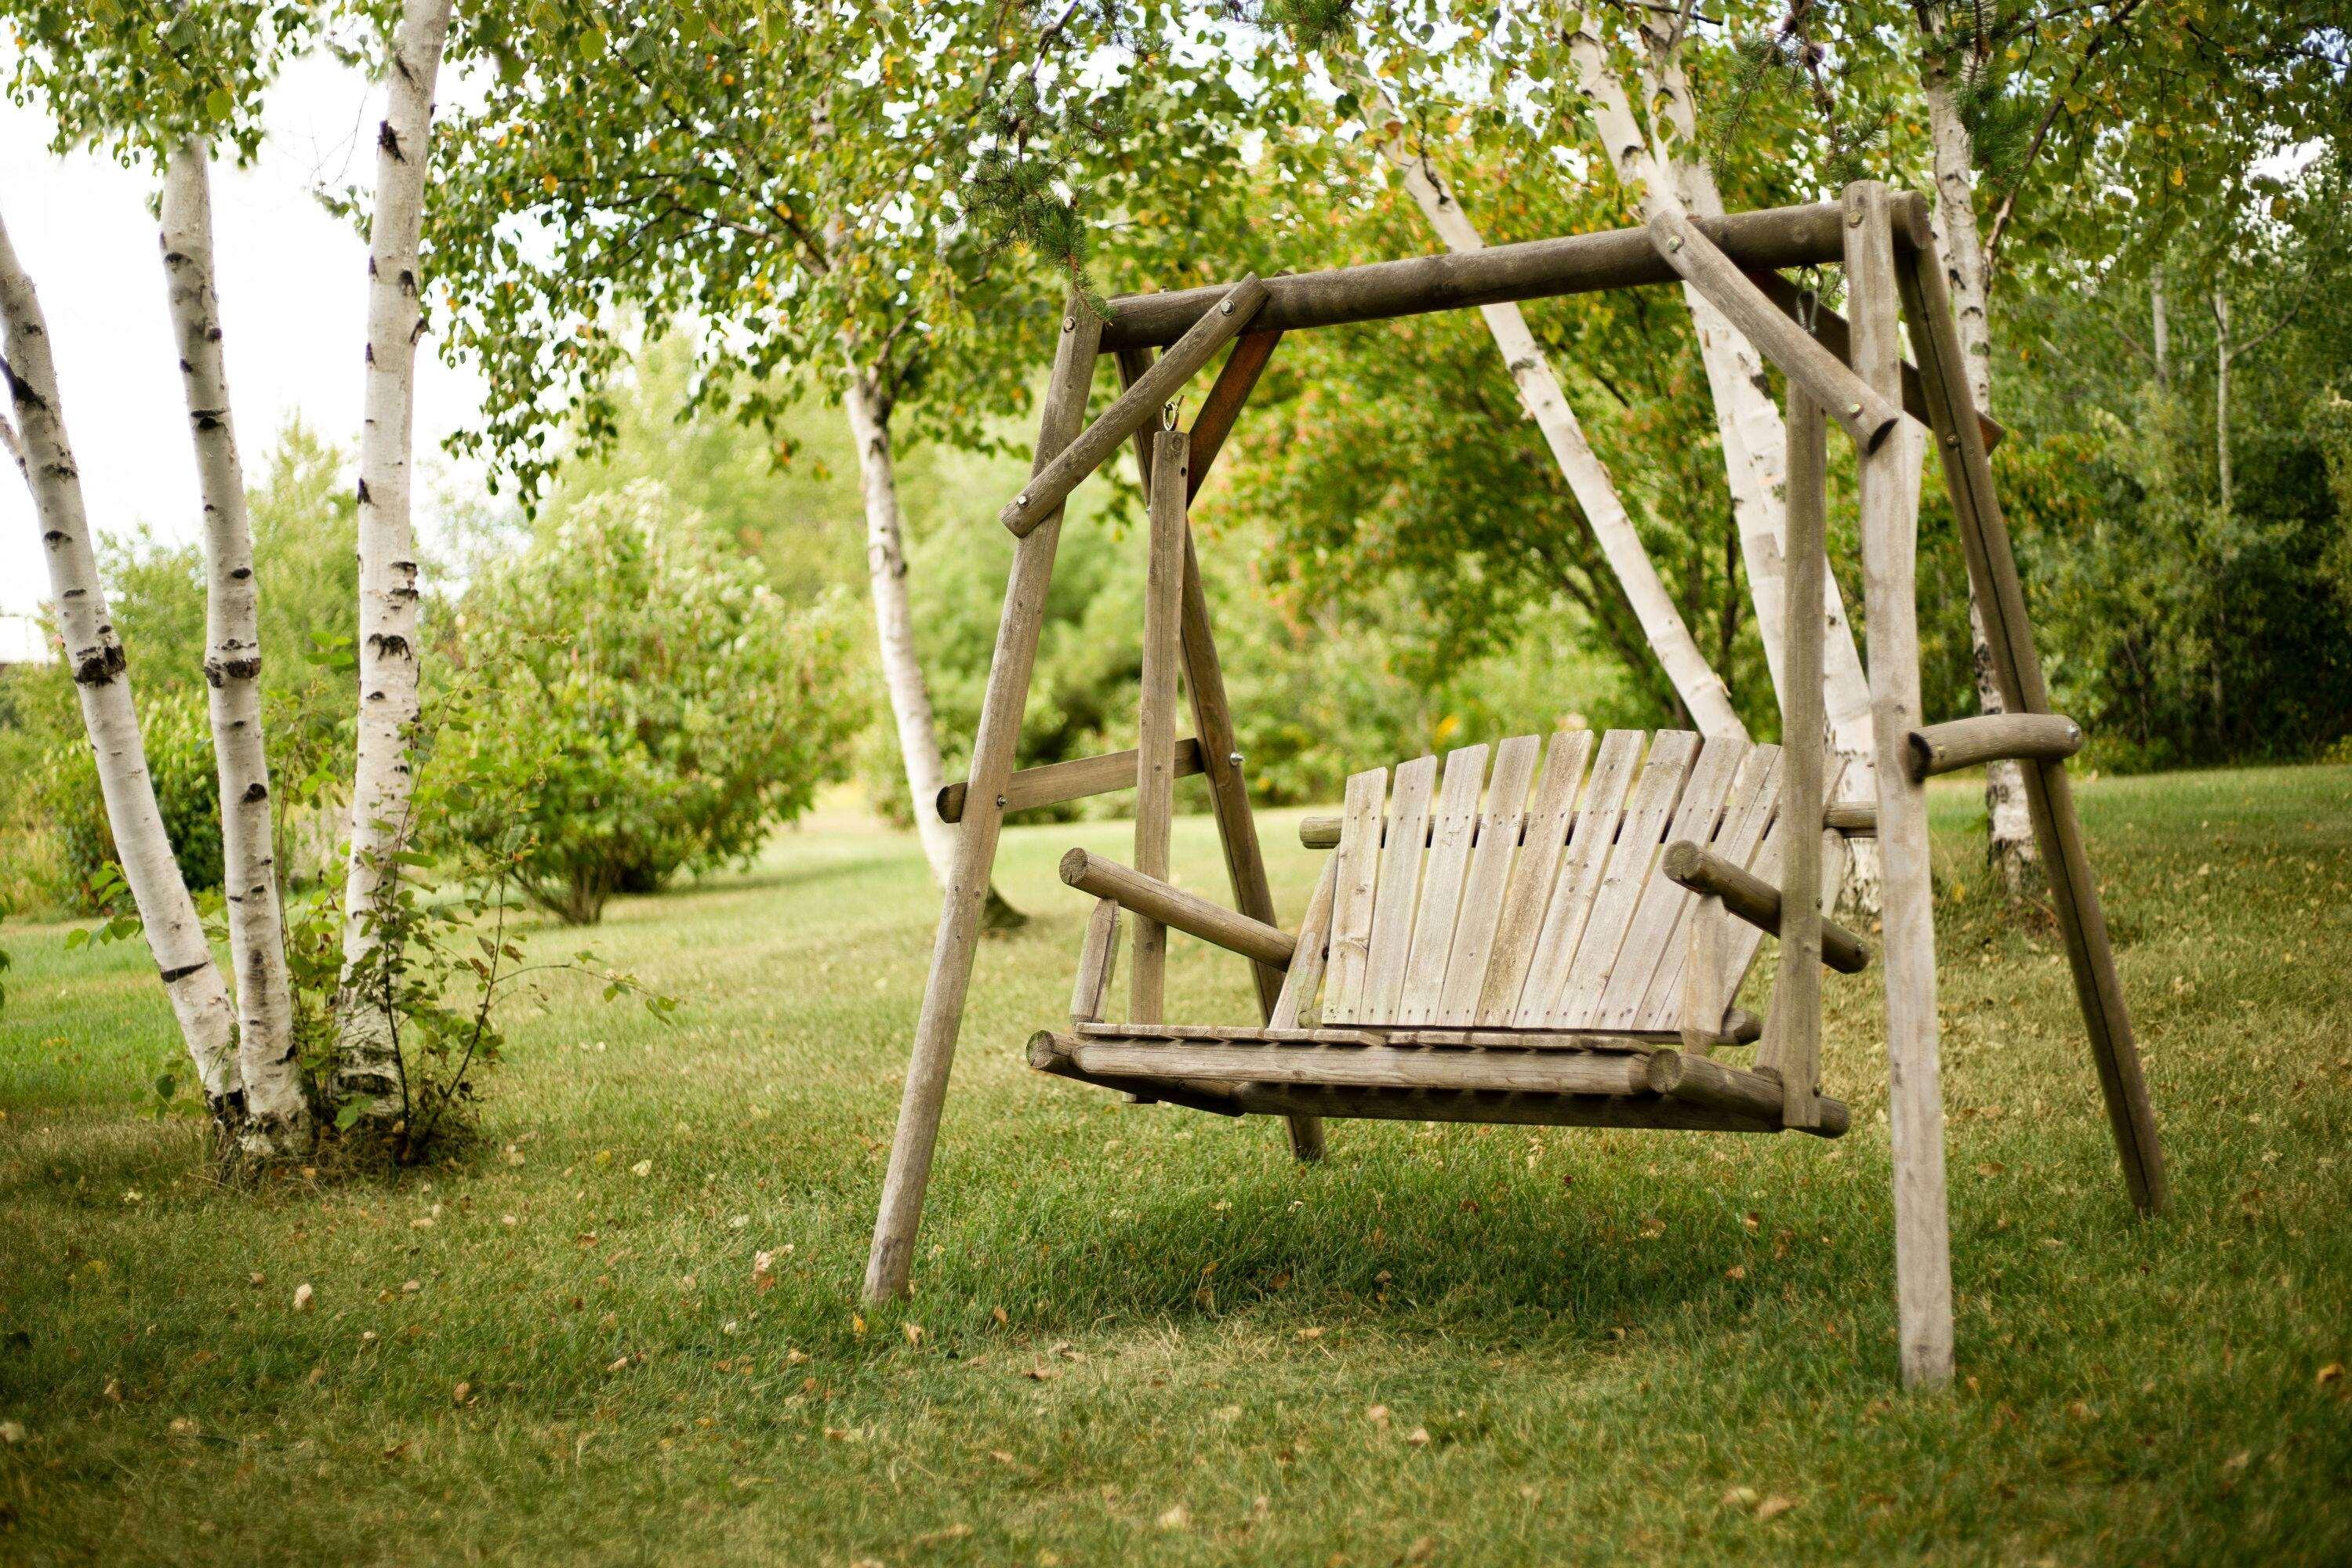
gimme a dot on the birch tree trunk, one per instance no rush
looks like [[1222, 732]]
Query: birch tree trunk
[[1746, 423], [868, 408], [175, 937], [1695, 682], [367, 1067], [277, 1116], [2010, 848], [2221, 347], [2159, 328]]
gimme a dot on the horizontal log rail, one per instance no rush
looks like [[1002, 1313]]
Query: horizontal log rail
[[1323, 832], [1077, 779], [1680, 1075], [1360, 1067], [1776, 237], [1757, 901], [1173, 907], [1851, 403], [1832, 332], [1992, 737], [1741, 1027], [1048, 488]]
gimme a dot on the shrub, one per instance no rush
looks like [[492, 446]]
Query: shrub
[[179, 740], [665, 706]]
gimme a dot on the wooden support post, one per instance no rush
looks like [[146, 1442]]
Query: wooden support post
[[1155, 744], [1204, 677], [1829, 330], [1007, 693], [2017, 668], [1890, 528], [1794, 1050]]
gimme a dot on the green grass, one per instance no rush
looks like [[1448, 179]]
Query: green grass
[[1145, 1334]]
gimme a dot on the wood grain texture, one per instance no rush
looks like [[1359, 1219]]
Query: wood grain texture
[[1649, 932], [1585, 858], [1639, 835], [1053, 783], [1305, 976], [1983, 738], [1171, 906], [1155, 756], [1354, 894], [1794, 1049], [1453, 827], [1483, 890], [1748, 813], [1096, 959], [1392, 911]]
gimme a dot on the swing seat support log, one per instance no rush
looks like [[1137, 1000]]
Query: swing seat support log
[[1992, 737]]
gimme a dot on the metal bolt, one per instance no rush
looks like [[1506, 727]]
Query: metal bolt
[[1000, 803], [1021, 500], [1226, 307], [1854, 218], [1069, 323], [1236, 760], [1850, 408], [1675, 243], [1951, 440]]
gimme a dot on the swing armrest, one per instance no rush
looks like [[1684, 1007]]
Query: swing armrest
[[1757, 901], [1096, 960], [1172, 907]]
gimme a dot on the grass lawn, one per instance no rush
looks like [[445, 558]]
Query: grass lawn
[[1142, 1333]]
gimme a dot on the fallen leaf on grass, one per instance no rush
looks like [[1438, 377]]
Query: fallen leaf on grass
[[1041, 1374], [914, 1332], [1176, 1517], [1418, 1437], [642, 1168], [304, 1297], [1003, 1317], [1377, 1415], [1773, 1507], [2330, 1372], [939, 1537], [1737, 1271]]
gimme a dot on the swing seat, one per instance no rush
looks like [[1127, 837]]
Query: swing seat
[[1476, 951]]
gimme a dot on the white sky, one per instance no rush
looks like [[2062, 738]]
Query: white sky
[[292, 289]]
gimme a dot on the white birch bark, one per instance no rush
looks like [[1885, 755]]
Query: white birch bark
[[175, 936], [367, 1071], [2221, 349], [1747, 424], [278, 1116], [903, 682], [1695, 682], [2009, 849]]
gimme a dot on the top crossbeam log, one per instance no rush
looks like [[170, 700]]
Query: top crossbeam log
[[1778, 237]]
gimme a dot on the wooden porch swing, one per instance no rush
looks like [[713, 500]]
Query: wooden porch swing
[[1559, 939]]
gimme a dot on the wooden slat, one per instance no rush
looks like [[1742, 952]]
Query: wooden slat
[[1499, 826], [1453, 827], [1369, 1067], [1155, 767], [1096, 960], [1640, 834], [1543, 836], [1352, 898], [1570, 900], [1055, 782], [1399, 885], [1747, 812], [1298, 986], [1659, 910]]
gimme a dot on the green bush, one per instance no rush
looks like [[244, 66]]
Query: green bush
[[179, 741], [660, 707]]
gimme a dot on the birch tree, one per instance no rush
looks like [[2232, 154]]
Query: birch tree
[[1665, 168], [277, 1112], [365, 1078], [1696, 683], [102, 676]]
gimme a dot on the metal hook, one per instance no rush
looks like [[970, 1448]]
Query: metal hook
[[1168, 415], [1808, 298]]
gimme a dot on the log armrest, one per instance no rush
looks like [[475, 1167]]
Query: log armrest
[[1757, 901], [1172, 907]]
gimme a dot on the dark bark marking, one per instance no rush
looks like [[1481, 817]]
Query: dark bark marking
[[101, 668], [173, 976]]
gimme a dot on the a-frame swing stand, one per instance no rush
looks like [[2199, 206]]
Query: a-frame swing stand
[[1844, 373]]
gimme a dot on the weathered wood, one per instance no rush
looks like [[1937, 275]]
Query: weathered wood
[[1047, 489], [1171, 906], [1247, 1034], [1155, 768], [1545, 832], [2017, 668], [1701, 1081], [1204, 677], [1536, 270], [1489, 876], [1740, 1027], [1889, 494], [1096, 959], [1795, 1049], [1305, 971], [1753, 805], [1452, 827], [1703, 997], [1400, 879], [1643, 1112], [1354, 897], [1830, 331], [1046, 1054], [1983, 738], [1582, 865], [901, 1211], [1658, 914], [1364, 1066], [1627, 876], [1859, 821], [1757, 901], [1055, 782], [1862, 411]]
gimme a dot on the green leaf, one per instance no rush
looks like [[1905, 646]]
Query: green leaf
[[218, 104]]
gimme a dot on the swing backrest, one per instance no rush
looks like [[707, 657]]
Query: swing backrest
[[1540, 902]]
